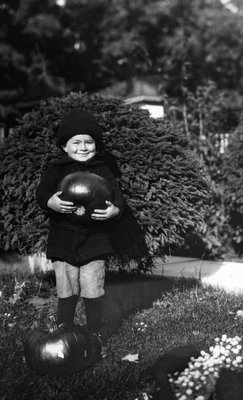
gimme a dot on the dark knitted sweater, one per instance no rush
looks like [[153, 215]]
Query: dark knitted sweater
[[68, 240]]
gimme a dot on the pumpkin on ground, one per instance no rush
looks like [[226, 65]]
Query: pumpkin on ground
[[61, 350]]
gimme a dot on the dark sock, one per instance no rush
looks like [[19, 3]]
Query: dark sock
[[66, 309], [94, 313]]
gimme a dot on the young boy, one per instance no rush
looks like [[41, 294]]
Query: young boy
[[77, 251]]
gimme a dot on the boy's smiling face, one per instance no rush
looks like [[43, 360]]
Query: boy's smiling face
[[81, 148]]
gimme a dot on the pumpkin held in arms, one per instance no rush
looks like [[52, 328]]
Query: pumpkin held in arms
[[85, 190]]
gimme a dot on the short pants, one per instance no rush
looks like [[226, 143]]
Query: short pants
[[86, 281]]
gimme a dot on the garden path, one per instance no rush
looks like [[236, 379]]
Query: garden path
[[225, 274]]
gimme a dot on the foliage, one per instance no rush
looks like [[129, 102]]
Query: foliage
[[40, 41], [162, 182], [207, 118], [176, 40], [233, 187], [50, 39], [197, 315], [93, 44]]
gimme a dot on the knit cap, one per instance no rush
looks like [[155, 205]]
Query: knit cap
[[79, 122]]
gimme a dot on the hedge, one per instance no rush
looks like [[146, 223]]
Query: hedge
[[162, 182], [233, 187]]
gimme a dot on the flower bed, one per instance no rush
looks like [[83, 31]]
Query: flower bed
[[198, 380]]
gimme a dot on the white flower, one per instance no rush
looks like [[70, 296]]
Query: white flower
[[197, 364], [196, 375], [235, 364], [131, 357], [239, 313]]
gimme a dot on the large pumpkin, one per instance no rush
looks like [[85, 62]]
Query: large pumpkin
[[63, 350], [86, 190]]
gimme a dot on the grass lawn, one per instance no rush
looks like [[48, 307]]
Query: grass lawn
[[180, 316]]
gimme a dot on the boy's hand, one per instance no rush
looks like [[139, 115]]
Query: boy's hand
[[110, 212], [58, 205]]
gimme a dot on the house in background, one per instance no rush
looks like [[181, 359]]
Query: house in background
[[145, 94], [140, 91], [154, 104]]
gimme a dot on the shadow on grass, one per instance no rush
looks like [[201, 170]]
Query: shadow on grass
[[129, 294]]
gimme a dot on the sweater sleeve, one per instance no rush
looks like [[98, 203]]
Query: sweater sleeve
[[47, 187], [118, 199]]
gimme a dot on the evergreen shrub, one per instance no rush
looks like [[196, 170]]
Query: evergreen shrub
[[162, 182], [233, 187]]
